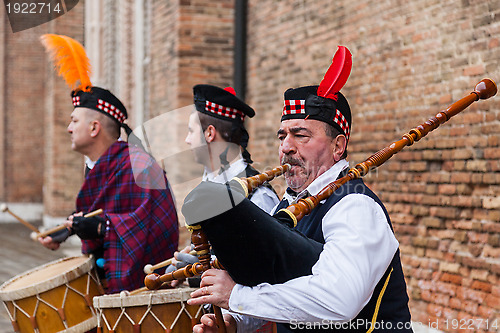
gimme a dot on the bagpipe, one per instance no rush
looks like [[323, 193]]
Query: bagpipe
[[255, 247]]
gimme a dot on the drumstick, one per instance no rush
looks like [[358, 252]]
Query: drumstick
[[148, 269], [37, 235], [4, 208], [133, 292], [125, 293]]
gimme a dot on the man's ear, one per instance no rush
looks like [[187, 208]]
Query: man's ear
[[95, 128], [339, 147], [210, 133]]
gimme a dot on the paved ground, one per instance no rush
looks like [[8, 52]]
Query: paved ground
[[18, 254]]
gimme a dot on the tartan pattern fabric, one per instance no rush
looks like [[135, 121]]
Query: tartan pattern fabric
[[224, 111], [340, 120], [111, 110], [294, 106], [143, 226]]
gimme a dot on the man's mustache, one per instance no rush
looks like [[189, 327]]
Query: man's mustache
[[292, 161]]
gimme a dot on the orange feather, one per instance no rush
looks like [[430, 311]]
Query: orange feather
[[70, 59]]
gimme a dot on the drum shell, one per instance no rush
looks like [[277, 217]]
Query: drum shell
[[55, 297], [144, 311]]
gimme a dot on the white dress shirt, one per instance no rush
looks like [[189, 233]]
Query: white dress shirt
[[359, 246], [263, 197]]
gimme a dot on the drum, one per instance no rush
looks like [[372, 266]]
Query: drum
[[56, 297], [163, 310]]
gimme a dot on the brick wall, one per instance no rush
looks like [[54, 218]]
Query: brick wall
[[410, 60], [192, 43]]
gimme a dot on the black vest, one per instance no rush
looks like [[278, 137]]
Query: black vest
[[393, 314]]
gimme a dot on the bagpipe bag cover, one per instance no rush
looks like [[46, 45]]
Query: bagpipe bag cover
[[253, 246]]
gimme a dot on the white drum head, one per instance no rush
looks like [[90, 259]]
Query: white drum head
[[151, 297], [46, 277]]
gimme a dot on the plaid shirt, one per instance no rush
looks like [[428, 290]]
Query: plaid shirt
[[143, 228]]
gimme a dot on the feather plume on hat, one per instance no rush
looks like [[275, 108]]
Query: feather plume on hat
[[73, 65], [337, 74], [70, 59]]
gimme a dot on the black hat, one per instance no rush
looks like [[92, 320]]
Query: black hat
[[101, 100], [220, 103], [304, 103], [324, 102]]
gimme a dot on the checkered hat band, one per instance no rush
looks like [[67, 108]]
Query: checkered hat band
[[224, 111], [340, 120], [294, 106], [111, 110], [76, 101]]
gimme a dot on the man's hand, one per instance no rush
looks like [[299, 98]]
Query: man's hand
[[208, 324], [49, 243], [215, 288], [61, 235], [177, 263], [182, 260], [54, 240], [89, 227]]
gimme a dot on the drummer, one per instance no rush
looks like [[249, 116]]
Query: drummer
[[139, 224], [218, 138], [360, 259]]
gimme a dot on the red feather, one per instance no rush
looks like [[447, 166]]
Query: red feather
[[337, 74], [70, 59]]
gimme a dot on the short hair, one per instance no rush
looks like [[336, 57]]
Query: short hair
[[109, 125], [332, 132], [226, 128]]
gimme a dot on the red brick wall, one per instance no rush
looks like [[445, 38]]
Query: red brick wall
[[192, 43], [206, 45], [410, 60]]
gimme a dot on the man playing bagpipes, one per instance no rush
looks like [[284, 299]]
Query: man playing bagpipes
[[345, 274], [139, 222]]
